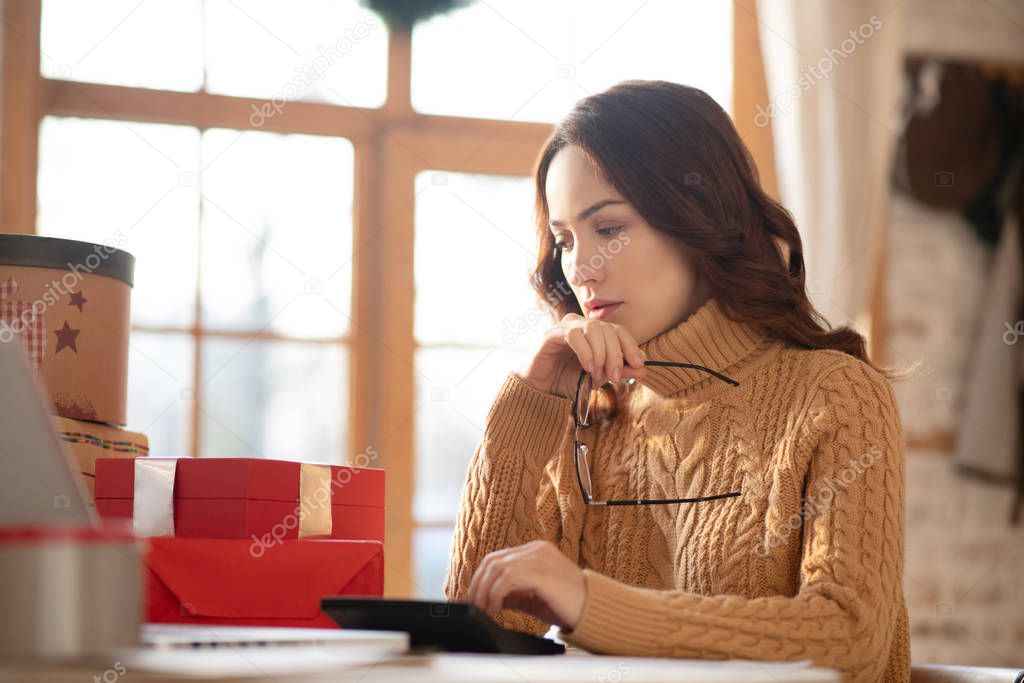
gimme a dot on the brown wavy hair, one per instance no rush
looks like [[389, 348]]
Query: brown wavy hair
[[673, 153]]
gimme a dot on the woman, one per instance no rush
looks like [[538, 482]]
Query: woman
[[760, 509]]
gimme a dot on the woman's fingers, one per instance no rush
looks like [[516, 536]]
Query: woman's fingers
[[522, 600], [534, 577], [598, 346], [632, 354], [622, 355], [613, 356], [478, 578], [630, 349], [577, 341], [605, 350], [513, 574], [483, 575], [508, 580]]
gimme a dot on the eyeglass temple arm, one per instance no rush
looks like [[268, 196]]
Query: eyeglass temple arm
[[665, 363], [658, 501], [671, 364], [576, 461]]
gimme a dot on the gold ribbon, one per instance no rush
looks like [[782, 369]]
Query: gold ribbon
[[315, 500]]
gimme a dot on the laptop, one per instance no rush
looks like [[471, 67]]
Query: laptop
[[40, 485]]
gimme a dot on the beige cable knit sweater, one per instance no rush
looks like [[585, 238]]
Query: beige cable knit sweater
[[806, 563]]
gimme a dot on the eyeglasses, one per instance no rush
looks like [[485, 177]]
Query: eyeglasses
[[581, 418]]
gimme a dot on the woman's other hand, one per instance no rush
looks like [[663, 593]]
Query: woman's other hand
[[535, 578]]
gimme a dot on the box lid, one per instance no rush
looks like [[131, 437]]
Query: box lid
[[243, 478], [54, 252]]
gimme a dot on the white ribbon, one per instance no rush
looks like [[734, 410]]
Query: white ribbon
[[153, 505]]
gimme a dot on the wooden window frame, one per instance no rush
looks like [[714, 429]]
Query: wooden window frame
[[392, 144]]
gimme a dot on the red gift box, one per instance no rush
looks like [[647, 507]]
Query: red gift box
[[254, 498], [241, 583]]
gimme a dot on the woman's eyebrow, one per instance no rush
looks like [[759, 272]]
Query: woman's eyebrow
[[587, 213]]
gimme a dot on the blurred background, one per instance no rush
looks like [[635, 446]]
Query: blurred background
[[331, 206]]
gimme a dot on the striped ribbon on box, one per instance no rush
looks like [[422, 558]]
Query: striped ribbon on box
[[116, 445]]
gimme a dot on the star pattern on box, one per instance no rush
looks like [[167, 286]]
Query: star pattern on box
[[66, 337], [78, 299]]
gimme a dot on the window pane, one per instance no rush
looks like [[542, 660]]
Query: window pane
[[563, 50], [318, 50], [277, 232], [153, 44], [454, 391], [431, 548], [130, 185], [160, 391], [284, 400], [475, 247]]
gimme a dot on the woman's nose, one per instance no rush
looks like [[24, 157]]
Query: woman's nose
[[583, 268]]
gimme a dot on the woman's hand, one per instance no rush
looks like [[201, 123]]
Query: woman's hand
[[605, 350], [535, 578]]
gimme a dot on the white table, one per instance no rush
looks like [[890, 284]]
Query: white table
[[200, 653], [314, 664]]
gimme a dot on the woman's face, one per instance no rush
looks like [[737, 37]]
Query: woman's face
[[610, 254]]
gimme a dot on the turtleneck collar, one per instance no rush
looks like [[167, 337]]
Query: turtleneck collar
[[707, 338]]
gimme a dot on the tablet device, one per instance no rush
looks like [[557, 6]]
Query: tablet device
[[448, 626]]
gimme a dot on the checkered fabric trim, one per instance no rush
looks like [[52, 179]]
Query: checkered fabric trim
[[19, 317]]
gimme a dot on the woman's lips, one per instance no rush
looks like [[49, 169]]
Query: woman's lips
[[605, 311]]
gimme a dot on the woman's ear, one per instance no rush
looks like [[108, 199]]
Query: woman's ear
[[783, 248]]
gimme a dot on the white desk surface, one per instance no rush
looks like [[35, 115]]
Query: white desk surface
[[284, 664]]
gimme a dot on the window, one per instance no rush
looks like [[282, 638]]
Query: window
[[321, 268], [156, 44], [532, 61], [313, 50], [475, 320], [257, 240]]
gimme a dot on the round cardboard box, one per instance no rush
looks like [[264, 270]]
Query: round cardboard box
[[68, 302]]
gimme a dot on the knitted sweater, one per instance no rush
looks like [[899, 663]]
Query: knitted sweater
[[806, 563]]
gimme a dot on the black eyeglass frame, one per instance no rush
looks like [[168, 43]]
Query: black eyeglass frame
[[579, 449]]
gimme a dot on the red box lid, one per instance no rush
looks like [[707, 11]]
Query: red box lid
[[243, 478]]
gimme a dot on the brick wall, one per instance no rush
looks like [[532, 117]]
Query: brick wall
[[964, 569], [964, 572]]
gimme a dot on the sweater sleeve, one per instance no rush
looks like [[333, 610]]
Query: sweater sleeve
[[846, 612], [509, 497]]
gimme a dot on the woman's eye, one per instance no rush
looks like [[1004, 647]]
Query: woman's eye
[[603, 232]]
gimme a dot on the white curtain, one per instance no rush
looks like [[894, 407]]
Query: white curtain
[[833, 75]]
